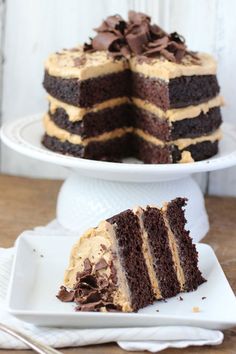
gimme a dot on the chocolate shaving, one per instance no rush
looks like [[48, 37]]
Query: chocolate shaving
[[138, 36], [64, 295], [87, 265], [102, 264]]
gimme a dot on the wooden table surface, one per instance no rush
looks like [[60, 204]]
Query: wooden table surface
[[25, 203]]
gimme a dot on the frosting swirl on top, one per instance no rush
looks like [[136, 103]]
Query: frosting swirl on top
[[138, 36]]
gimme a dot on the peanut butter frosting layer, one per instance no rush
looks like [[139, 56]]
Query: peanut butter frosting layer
[[174, 250], [77, 113], [180, 143], [76, 64], [147, 255], [53, 130], [164, 69], [177, 114]]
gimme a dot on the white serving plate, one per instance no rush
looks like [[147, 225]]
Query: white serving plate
[[24, 136], [37, 274]]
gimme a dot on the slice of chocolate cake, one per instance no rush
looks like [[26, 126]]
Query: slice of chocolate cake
[[134, 91], [132, 259]]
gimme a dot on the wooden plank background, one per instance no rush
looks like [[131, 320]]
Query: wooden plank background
[[31, 29]]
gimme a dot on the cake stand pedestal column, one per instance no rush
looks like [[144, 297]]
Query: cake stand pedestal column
[[84, 201]]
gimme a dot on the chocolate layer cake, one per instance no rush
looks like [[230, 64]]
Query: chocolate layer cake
[[132, 259], [133, 84]]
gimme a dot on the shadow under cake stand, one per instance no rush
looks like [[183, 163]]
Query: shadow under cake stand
[[96, 190]]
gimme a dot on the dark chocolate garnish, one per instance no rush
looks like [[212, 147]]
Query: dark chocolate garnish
[[102, 264], [138, 36], [65, 295]]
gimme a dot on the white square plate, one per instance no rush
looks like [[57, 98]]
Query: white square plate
[[37, 274]]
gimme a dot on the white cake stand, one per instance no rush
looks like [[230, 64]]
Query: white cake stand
[[96, 190]]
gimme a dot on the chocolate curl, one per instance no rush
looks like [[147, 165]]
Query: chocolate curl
[[104, 41], [64, 295], [139, 37], [114, 24], [138, 17]]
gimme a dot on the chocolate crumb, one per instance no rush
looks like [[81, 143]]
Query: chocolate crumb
[[103, 247], [157, 310], [180, 298], [204, 297], [41, 255]]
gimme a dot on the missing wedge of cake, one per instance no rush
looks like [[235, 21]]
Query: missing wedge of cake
[[134, 91], [132, 259]]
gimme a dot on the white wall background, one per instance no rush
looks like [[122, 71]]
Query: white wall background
[[31, 29]]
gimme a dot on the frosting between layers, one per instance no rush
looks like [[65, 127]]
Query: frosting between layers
[[53, 130], [174, 251], [147, 255], [180, 143], [177, 114], [163, 69], [76, 64], [77, 113]]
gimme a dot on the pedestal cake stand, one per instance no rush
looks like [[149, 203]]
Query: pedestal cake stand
[[96, 190]]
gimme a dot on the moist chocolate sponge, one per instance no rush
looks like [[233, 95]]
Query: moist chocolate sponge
[[130, 146]]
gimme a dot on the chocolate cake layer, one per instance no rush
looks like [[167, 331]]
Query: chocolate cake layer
[[160, 251], [178, 92], [87, 93], [131, 146], [203, 124], [95, 123], [187, 251], [110, 150], [200, 151], [131, 257]]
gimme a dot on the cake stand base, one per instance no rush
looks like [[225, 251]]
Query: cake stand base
[[84, 201]]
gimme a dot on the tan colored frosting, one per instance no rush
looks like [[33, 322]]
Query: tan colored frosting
[[181, 143], [92, 64], [122, 293], [91, 250], [89, 247], [178, 114], [186, 157], [53, 130], [77, 113], [147, 255], [174, 250], [98, 63], [166, 70]]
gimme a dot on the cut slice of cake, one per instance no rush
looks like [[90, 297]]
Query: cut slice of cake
[[132, 259]]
